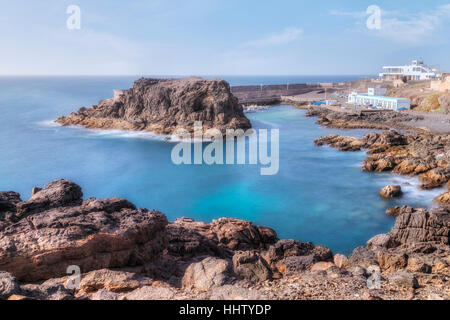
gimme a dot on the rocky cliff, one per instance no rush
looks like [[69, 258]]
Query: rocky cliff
[[136, 254], [163, 105]]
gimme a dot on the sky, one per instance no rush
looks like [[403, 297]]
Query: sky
[[220, 37]]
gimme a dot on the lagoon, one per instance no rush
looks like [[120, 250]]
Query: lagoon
[[318, 194]]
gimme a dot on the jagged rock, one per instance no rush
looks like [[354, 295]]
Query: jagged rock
[[420, 225], [416, 264], [8, 202], [396, 211], [242, 235], [389, 138], [435, 178], [381, 241], [391, 262], [341, 261], [295, 264], [59, 193], [8, 285], [379, 164], [443, 199], [206, 274], [164, 105], [288, 248], [53, 289], [391, 191], [291, 256], [362, 257], [60, 231], [188, 238], [35, 190], [341, 143], [250, 265]]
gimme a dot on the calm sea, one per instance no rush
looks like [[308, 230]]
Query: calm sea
[[319, 194]]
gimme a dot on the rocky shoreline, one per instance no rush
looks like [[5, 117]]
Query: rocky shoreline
[[136, 254], [126, 253]]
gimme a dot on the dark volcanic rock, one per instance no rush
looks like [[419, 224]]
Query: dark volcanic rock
[[163, 105], [60, 230], [59, 193], [237, 234], [188, 238], [250, 265], [8, 201]]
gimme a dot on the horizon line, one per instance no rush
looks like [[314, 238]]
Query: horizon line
[[182, 75]]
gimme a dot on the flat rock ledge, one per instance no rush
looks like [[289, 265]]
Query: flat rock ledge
[[163, 106], [125, 253]]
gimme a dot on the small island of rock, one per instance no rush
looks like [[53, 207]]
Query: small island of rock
[[164, 105]]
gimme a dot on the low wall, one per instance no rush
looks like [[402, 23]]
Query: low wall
[[268, 94]]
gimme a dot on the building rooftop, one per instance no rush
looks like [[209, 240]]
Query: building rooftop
[[383, 97]]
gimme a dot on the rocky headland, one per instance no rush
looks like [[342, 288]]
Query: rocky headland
[[135, 254], [415, 152], [164, 105]]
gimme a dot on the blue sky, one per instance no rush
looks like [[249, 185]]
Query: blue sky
[[214, 37]]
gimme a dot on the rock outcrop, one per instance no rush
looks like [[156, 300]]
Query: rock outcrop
[[423, 154], [391, 191], [383, 120], [164, 105], [125, 253], [206, 274], [56, 229]]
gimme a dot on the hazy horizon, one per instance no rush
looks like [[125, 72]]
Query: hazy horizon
[[218, 37]]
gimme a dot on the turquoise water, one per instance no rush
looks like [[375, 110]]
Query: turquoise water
[[319, 194]]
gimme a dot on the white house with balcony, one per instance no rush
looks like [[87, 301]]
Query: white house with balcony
[[417, 70], [374, 98]]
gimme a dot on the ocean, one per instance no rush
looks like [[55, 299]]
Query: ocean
[[318, 195]]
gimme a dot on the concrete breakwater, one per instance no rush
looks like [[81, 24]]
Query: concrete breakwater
[[269, 94]]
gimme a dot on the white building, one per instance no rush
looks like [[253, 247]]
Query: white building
[[417, 70], [373, 98]]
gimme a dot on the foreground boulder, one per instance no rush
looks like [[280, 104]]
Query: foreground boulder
[[206, 274], [250, 265], [188, 238], [420, 225], [164, 105], [56, 229], [292, 257]]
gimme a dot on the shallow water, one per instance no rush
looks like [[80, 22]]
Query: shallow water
[[319, 194]]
